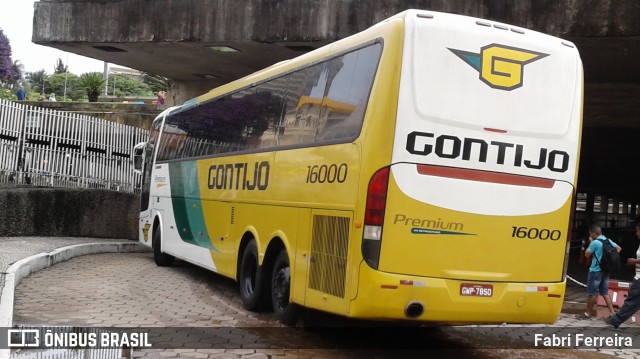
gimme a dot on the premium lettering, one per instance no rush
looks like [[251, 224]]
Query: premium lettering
[[475, 149], [427, 223]]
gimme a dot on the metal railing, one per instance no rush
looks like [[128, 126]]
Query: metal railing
[[45, 147]]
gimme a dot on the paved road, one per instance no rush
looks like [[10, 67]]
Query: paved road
[[129, 290]]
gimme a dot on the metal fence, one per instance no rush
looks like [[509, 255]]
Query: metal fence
[[45, 147]]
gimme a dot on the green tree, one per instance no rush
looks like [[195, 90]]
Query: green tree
[[126, 86], [156, 82], [60, 67], [18, 70], [56, 84], [36, 80], [93, 84]]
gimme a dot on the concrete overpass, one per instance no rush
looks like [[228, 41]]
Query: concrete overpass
[[189, 41]]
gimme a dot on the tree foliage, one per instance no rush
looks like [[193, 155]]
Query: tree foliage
[[18, 70], [123, 85], [93, 84], [7, 72], [7, 94], [60, 67], [156, 82], [36, 80], [56, 84], [14, 80]]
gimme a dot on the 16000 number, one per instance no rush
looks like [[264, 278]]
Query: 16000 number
[[327, 173], [535, 233]]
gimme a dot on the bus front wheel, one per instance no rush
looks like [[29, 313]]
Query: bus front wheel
[[250, 278], [284, 310], [161, 259]]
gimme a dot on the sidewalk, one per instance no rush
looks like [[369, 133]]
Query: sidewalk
[[13, 249], [21, 256]]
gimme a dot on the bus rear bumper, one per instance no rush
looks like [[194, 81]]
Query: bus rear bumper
[[384, 296]]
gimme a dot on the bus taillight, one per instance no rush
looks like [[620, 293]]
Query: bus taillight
[[374, 217]]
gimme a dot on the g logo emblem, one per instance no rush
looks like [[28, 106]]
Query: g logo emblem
[[501, 67]]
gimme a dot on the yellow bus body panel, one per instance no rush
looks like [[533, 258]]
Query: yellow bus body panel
[[511, 302]]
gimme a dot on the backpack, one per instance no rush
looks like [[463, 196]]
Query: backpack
[[610, 261]]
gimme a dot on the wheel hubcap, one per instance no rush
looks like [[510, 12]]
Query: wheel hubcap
[[281, 287]]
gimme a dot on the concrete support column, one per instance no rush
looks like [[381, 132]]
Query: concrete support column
[[182, 91]]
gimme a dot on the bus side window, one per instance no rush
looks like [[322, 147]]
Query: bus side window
[[347, 93], [327, 101], [302, 105]]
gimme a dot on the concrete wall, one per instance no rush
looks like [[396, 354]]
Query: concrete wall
[[28, 211], [304, 20]]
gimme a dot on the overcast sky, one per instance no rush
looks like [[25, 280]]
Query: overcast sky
[[16, 20]]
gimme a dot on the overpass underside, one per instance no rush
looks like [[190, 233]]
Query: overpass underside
[[201, 44]]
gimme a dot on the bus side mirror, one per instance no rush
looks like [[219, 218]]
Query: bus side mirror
[[138, 157]]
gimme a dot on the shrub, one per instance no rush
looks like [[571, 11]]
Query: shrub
[[93, 83]]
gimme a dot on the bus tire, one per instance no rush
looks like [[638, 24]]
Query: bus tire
[[161, 259], [250, 278], [285, 311]]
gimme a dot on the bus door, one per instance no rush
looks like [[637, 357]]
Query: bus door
[[145, 165]]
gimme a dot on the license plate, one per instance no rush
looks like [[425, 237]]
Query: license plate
[[476, 290]]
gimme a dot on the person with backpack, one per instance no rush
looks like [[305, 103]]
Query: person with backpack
[[598, 278], [632, 302]]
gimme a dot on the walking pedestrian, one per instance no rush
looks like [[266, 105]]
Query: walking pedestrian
[[597, 280], [162, 97], [21, 94], [632, 302]]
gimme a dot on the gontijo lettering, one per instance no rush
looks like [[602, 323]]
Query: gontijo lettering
[[470, 149], [239, 176]]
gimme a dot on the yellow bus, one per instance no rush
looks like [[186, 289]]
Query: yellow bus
[[421, 170]]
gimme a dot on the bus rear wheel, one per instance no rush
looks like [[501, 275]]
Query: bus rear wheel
[[284, 310], [161, 259], [250, 278]]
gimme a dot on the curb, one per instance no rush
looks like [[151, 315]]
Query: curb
[[24, 267]]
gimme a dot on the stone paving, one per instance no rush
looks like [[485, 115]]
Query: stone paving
[[16, 248], [128, 290]]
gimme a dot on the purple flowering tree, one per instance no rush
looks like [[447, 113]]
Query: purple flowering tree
[[6, 64]]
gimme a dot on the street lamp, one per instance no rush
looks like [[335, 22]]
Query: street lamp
[[105, 76]]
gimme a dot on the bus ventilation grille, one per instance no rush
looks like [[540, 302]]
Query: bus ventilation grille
[[329, 243], [233, 213]]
